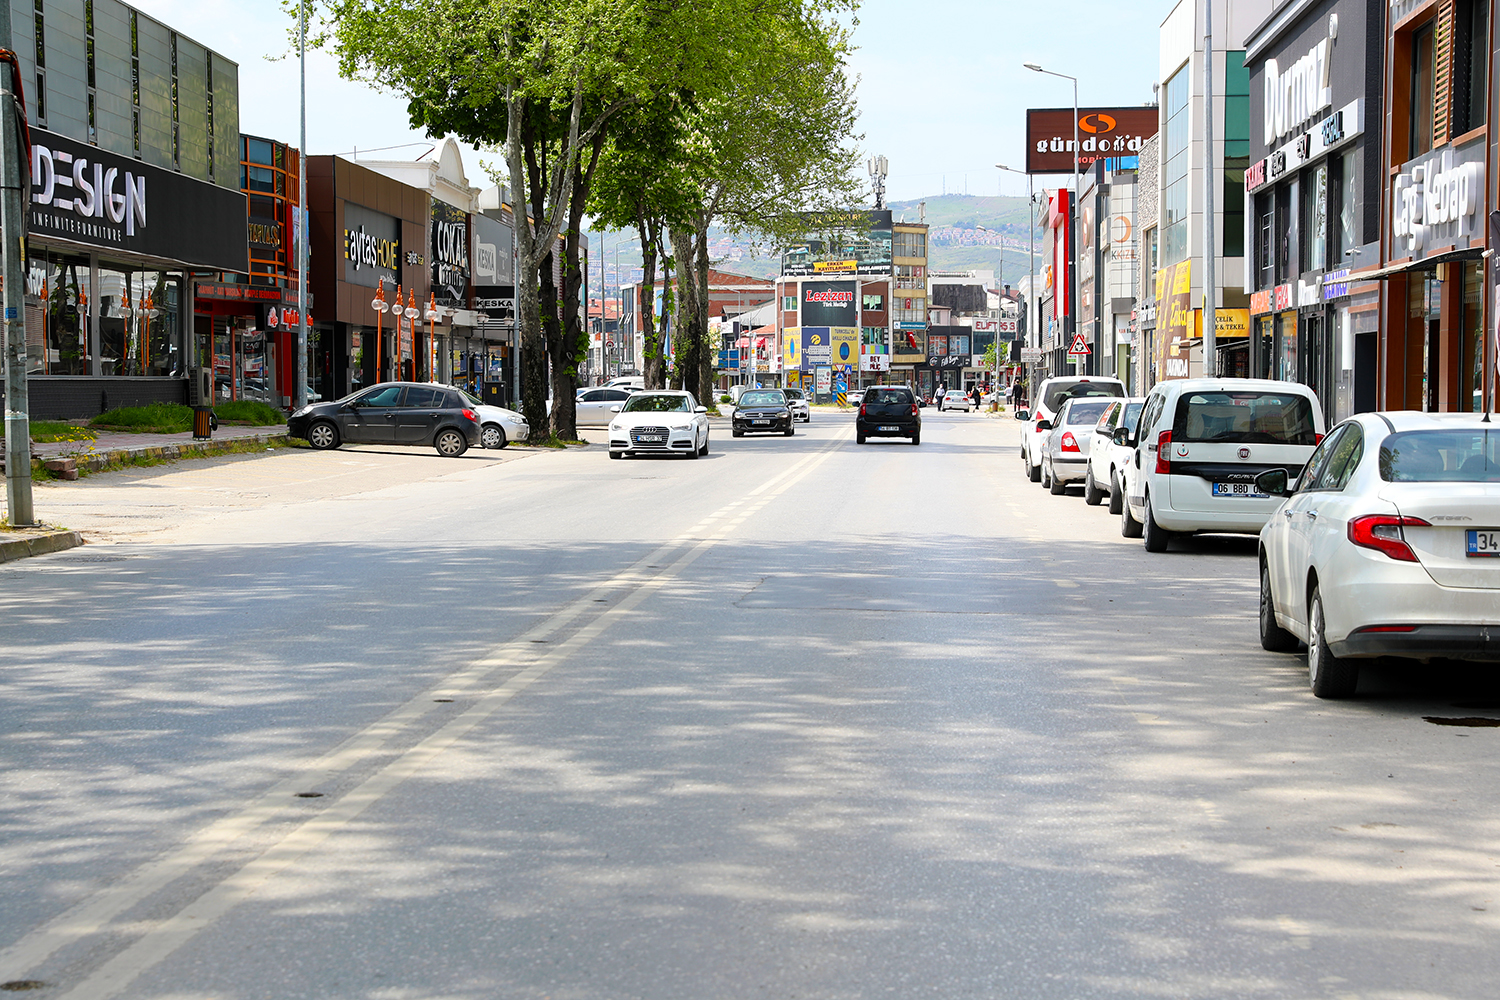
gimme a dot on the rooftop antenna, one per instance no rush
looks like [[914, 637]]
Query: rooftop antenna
[[878, 166], [921, 211]]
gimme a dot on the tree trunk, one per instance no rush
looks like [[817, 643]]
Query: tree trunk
[[574, 341], [649, 231], [686, 337], [558, 381], [708, 352]]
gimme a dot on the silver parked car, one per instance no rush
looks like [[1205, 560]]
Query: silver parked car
[[1065, 452]]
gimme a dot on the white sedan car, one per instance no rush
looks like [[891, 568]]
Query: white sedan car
[[498, 426], [1389, 546], [659, 422], [955, 398]]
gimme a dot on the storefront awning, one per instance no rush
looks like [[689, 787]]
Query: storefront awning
[[1470, 253]]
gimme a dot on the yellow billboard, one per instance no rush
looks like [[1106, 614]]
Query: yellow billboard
[[1228, 323], [845, 343], [791, 348]]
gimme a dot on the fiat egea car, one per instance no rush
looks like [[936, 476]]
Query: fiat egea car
[[659, 422]]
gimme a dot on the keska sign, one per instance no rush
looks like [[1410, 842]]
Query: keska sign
[[1102, 132], [86, 195]]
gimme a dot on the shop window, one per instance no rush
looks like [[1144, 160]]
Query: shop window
[[1422, 92], [139, 325], [260, 179], [1315, 218], [1471, 23], [1285, 230], [57, 314], [258, 151], [1265, 271], [1344, 182]]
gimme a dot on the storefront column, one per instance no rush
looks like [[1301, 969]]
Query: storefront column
[[1450, 324], [96, 366]]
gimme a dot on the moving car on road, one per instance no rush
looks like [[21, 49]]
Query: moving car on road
[[392, 413], [1389, 545], [1201, 444], [955, 399], [889, 411], [1065, 455], [796, 401], [1050, 396], [762, 411], [662, 421]]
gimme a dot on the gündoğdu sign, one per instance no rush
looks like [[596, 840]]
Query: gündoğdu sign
[[1102, 132]]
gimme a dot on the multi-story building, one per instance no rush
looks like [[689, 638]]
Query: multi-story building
[[907, 314], [1315, 108], [1108, 250], [135, 190], [1181, 182], [968, 305]]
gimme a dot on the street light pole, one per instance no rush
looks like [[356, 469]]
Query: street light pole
[[299, 391], [1030, 258], [1073, 215]]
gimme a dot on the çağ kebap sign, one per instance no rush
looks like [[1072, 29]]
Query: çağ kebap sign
[[1102, 132]]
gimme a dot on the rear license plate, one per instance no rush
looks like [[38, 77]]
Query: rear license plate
[[887, 428], [1239, 490], [1483, 542], [650, 439]]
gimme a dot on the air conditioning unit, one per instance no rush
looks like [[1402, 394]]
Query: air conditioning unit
[[200, 387]]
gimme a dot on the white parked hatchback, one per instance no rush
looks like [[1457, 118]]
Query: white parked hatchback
[[1050, 396], [1200, 446], [1388, 546]]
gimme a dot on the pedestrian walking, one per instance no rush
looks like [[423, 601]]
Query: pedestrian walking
[[975, 394]]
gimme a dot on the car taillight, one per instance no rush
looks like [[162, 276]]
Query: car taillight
[[1317, 439], [471, 415], [1382, 532], [1164, 453], [914, 409], [862, 410], [1068, 442]]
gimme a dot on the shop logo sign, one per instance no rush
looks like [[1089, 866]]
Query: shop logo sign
[[830, 296], [90, 190], [1294, 96], [364, 249], [1434, 192]]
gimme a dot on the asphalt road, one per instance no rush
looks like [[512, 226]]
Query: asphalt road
[[800, 719]]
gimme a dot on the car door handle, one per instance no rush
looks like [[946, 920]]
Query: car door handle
[[1286, 514], [1312, 515]]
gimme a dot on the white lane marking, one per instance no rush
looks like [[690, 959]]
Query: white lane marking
[[173, 932]]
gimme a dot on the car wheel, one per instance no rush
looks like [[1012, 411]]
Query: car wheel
[[859, 439], [704, 449], [1046, 474], [1330, 676], [1116, 494], [323, 435], [1033, 472], [492, 437], [1092, 495], [617, 454], [916, 438], [1272, 636], [450, 443], [1129, 526], [736, 433], [1055, 486], [791, 428], [1153, 534]]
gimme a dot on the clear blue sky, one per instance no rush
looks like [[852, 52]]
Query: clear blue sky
[[942, 91]]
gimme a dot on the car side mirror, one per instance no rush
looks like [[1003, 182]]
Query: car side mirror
[[1023, 414], [1121, 436], [614, 409], [701, 409], [1044, 425], [1273, 482], [921, 402]]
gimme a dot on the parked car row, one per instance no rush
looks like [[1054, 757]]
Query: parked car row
[[413, 413], [1381, 538]]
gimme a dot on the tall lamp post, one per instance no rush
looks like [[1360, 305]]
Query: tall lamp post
[[1031, 295], [1073, 215]]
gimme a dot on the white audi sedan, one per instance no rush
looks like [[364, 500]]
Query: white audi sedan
[[659, 422], [1388, 546]]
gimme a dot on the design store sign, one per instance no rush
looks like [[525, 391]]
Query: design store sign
[[86, 195]]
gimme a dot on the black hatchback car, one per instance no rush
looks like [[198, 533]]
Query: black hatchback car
[[888, 411], [391, 413], [762, 411]]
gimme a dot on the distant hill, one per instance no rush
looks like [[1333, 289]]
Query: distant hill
[[965, 211]]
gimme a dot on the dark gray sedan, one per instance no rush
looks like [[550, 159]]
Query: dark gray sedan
[[392, 413]]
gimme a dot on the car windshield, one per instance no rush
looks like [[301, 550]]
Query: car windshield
[[887, 396], [1060, 392], [793, 393], [1245, 417], [1441, 456], [1086, 413], [650, 402], [763, 397]]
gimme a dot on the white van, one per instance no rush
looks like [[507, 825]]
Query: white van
[[1199, 446]]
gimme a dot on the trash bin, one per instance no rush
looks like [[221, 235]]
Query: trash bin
[[203, 421]]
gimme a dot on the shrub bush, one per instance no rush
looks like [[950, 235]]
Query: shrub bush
[[157, 418], [250, 411]]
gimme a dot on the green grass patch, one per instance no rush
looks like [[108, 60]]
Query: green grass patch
[[550, 441], [158, 418], [48, 431], [249, 411]]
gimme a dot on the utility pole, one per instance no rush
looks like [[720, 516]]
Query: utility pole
[[1210, 299], [299, 391], [12, 227]]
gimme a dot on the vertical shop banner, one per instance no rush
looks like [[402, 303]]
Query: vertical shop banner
[[791, 349], [845, 343], [1176, 321], [816, 347], [829, 303], [450, 255]]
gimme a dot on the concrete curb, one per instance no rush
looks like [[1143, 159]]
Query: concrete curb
[[94, 461], [37, 545]]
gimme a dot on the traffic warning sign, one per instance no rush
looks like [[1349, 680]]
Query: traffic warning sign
[[1080, 346]]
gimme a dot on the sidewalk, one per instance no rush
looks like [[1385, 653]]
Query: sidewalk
[[120, 447]]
